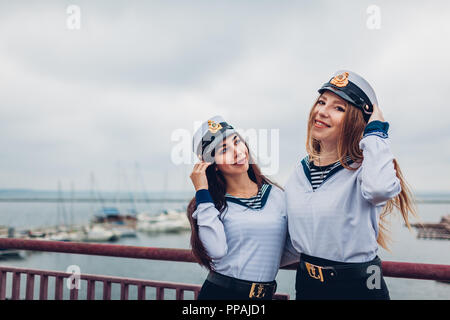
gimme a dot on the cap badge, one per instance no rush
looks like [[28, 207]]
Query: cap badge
[[367, 109], [340, 80], [214, 126]]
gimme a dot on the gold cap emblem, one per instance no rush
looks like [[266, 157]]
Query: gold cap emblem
[[214, 126], [340, 80]]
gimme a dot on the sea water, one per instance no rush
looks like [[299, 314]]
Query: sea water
[[406, 247]]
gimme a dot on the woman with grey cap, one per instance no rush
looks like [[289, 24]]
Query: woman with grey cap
[[238, 218], [340, 194]]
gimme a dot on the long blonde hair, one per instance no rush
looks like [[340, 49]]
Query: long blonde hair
[[351, 132]]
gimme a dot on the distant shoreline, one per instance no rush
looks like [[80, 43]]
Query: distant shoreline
[[109, 200], [150, 200], [94, 196]]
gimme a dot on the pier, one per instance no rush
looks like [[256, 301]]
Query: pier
[[439, 230]]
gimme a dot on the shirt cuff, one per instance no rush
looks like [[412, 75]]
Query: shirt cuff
[[377, 128], [203, 196]]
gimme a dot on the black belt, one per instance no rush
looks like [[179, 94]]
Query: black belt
[[255, 290], [339, 271]]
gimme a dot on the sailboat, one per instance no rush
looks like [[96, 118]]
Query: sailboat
[[63, 230], [167, 221], [109, 219], [96, 233]]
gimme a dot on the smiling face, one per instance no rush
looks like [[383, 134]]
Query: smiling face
[[232, 156], [327, 118]]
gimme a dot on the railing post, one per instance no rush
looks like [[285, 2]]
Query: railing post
[[123, 291], [141, 292], [75, 285], [3, 285], [43, 287], [196, 293], [74, 294], [159, 293], [30, 287], [106, 290], [59, 288], [180, 294], [15, 295], [91, 290]]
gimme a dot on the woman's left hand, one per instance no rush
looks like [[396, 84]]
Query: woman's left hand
[[376, 114]]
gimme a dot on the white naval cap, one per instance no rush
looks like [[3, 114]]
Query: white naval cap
[[209, 135], [354, 89]]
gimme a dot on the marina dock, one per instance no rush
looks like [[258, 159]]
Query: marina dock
[[439, 230]]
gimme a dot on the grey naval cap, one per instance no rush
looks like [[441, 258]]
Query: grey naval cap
[[209, 135], [354, 89]]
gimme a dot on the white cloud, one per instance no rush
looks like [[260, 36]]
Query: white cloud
[[80, 101]]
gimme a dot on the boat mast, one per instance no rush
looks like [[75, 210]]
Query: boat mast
[[144, 189], [61, 209]]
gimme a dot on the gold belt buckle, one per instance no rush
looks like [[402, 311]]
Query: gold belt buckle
[[257, 290], [312, 271]]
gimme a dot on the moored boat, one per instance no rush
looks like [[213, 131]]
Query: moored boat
[[167, 221]]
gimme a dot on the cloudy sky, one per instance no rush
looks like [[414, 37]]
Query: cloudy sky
[[112, 93]]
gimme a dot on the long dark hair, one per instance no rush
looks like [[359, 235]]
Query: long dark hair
[[217, 186]]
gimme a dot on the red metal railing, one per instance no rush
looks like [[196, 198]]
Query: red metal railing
[[109, 250], [61, 278], [390, 269]]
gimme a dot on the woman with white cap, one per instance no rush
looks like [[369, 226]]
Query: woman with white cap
[[238, 218], [341, 192]]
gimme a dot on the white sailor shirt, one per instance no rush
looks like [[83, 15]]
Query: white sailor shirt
[[246, 243], [339, 220]]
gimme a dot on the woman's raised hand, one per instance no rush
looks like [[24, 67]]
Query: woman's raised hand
[[198, 175]]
